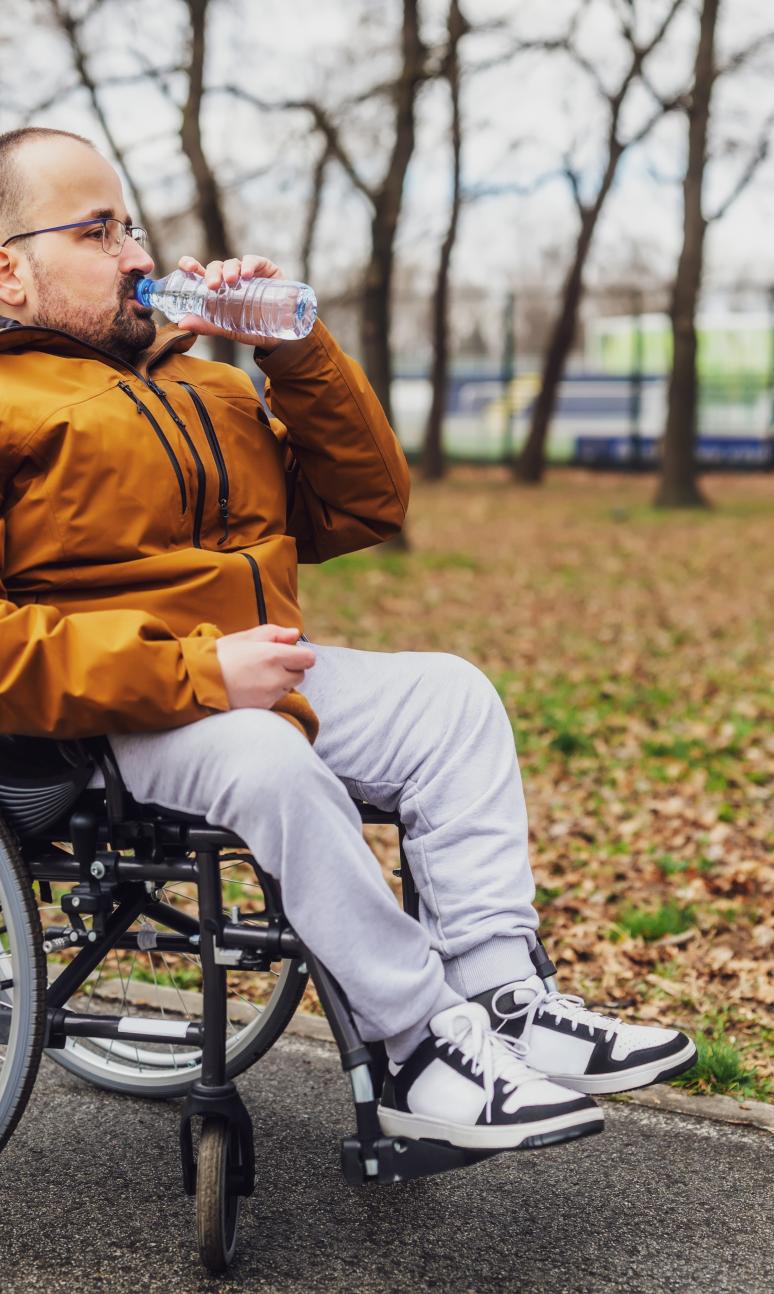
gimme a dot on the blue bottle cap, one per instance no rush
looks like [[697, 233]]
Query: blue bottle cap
[[142, 292]]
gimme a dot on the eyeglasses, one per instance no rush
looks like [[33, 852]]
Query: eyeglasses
[[112, 232]]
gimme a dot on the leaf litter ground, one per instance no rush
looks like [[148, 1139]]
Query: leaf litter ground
[[632, 649]]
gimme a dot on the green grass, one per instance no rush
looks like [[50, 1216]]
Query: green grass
[[654, 923], [671, 866], [347, 569], [448, 561], [182, 977], [721, 1069], [544, 894], [569, 741], [721, 511]]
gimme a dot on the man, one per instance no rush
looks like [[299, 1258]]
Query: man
[[152, 520]]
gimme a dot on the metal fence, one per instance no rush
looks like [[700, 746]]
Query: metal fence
[[611, 406]]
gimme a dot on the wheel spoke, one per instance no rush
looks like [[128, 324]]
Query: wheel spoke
[[167, 985], [176, 986], [171, 1049]]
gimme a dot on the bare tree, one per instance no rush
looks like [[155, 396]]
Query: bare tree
[[209, 204], [530, 465], [313, 210], [385, 197], [71, 25], [433, 458], [678, 484]]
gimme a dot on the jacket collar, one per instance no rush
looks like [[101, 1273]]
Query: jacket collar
[[16, 336]]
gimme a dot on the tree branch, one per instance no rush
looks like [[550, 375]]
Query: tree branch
[[322, 121], [573, 179], [70, 28], [743, 55], [520, 190], [313, 210], [757, 157]]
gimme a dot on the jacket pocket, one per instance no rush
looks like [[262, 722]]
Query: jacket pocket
[[258, 587]]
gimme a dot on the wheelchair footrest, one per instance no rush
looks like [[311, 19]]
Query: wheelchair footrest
[[218, 1103], [398, 1159]]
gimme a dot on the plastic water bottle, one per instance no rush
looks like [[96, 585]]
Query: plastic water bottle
[[255, 307]]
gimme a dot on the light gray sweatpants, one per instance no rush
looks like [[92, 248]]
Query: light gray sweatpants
[[421, 732]]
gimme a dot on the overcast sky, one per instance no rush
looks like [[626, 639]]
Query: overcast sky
[[520, 118]]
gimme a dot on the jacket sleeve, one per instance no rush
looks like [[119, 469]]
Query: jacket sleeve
[[102, 671], [348, 481]]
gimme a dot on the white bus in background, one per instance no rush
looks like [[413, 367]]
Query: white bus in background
[[601, 405]]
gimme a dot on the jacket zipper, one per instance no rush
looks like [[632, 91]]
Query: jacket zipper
[[143, 409], [259, 598], [201, 475], [217, 454]]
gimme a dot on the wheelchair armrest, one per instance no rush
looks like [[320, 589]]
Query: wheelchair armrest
[[117, 798]]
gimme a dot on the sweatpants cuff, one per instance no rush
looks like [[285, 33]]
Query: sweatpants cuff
[[400, 1045], [497, 961]]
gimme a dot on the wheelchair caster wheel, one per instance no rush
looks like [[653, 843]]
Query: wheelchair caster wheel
[[217, 1201]]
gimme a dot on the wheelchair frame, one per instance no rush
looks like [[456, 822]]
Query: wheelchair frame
[[114, 890]]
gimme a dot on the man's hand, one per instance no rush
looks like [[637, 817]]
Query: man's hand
[[260, 665], [215, 275]]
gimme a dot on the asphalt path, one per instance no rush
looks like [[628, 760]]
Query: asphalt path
[[91, 1200]]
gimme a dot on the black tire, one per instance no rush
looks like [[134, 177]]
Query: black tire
[[23, 980], [278, 1015], [217, 1205]]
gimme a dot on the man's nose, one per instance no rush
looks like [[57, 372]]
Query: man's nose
[[134, 257]]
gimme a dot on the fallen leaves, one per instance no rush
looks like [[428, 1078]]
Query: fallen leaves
[[635, 660]]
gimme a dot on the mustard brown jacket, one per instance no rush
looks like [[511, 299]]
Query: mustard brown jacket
[[147, 510]]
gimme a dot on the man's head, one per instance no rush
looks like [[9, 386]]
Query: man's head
[[65, 279]]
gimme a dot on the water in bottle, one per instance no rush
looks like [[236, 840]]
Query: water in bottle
[[254, 307]]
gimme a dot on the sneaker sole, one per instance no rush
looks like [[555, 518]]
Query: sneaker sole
[[522, 1136], [626, 1080]]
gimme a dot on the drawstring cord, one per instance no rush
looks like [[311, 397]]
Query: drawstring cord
[[562, 1005]]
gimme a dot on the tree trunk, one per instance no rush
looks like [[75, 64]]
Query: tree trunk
[[433, 464], [375, 317], [678, 486], [530, 465], [208, 201], [70, 27], [313, 213]]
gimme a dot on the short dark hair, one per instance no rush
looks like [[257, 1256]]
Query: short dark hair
[[12, 185]]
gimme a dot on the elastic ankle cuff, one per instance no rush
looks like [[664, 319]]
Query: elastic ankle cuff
[[488, 965], [401, 1045]]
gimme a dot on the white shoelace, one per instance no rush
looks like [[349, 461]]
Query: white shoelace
[[491, 1055], [563, 1005]]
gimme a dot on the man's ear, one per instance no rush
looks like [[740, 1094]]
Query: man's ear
[[13, 293]]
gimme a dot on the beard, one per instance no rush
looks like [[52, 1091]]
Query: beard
[[123, 333]]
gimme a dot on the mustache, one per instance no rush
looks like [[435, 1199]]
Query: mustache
[[128, 287]]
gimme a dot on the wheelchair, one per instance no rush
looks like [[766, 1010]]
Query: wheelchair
[[147, 952]]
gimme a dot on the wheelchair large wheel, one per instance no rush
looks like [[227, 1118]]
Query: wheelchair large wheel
[[22, 986], [168, 987], [217, 1202]]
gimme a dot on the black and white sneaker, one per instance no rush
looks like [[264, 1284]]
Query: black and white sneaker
[[469, 1086], [581, 1049]]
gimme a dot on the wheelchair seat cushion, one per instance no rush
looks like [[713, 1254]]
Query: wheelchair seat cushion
[[40, 779]]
